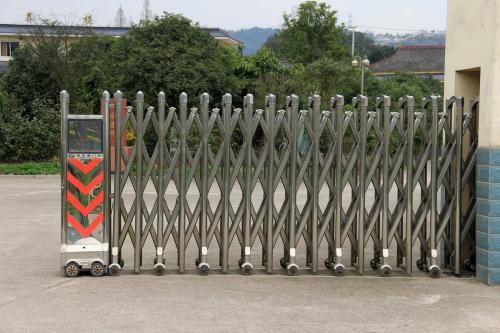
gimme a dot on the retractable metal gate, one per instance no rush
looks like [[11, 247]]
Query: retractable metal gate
[[390, 187]]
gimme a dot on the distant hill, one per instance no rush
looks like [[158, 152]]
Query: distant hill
[[253, 38]]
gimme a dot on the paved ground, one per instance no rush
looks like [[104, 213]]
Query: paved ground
[[35, 297]]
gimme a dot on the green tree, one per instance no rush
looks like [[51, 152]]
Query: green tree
[[56, 57], [311, 33], [402, 84], [171, 54]]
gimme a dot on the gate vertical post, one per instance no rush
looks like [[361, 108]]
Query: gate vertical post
[[247, 176], [270, 114], [459, 109], [203, 251], [362, 103], [138, 182], [226, 194], [226, 172], [316, 114], [339, 132], [433, 187], [386, 104], [107, 171], [160, 265], [118, 99], [182, 181], [64, 99], [410, 135], [293, 120]]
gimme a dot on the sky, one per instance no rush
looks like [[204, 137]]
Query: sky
[[369, 15]]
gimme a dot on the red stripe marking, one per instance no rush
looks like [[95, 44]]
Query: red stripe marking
[[85, 232], [85, 168], [85, 189], [85, 210]]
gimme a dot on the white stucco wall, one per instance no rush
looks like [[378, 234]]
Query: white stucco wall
[[472, 45]]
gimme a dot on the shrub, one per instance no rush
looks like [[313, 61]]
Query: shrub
[[33, 137]]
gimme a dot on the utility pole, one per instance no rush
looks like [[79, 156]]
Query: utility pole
[[351, 26], [147, 13], [353, 40], [120, 20]]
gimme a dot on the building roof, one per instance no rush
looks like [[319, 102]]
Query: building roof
[[26, 29], [413, 59]]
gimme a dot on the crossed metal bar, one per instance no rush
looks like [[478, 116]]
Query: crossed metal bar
[[407, 176]]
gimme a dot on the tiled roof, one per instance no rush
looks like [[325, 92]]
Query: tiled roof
[[25, 29], [413, 59]]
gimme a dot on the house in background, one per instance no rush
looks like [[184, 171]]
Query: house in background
[[422, 60], [12, 34]]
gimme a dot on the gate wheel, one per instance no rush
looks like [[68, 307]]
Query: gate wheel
[[283, 262], [203, 268], [329, 263], [420, 264], [385, 270], [373, 264], [339, 270], [247, 268], [292, 269], [72, 269], [114, 269], [97, 269], [434, 271]]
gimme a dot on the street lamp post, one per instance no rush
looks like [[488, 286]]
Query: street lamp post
[[365, 64]]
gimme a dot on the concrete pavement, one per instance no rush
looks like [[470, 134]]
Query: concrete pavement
[[34, 297]]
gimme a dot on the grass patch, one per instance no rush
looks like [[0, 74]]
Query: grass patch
[[30, 168]]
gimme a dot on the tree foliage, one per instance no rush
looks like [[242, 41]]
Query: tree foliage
[[29, 138], [310, 55], [170, 54], [311, 33]]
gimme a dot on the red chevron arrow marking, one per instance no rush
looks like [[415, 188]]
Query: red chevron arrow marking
[[85, 232], [85, 189], [85, 210], [85, 168]]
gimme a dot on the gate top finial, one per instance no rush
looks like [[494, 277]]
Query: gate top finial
[[161, 97]]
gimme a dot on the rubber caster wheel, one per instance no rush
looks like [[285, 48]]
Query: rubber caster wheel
[[467, 264], [420, 264], [97, 269], [283, 263], [203, 268], [292, 269], [373, 264], [197, 262], [434, 271], [385, 270], [339, 270], [121, 262], [328, 263], [247, 268], [240, 263], [114, 269], [72, 270], [159, 269]]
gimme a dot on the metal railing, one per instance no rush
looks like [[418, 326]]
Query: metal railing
[[384, 184]]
